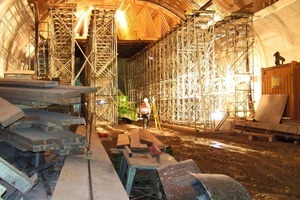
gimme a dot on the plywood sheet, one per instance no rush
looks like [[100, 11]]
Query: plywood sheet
[[9, 113], [270, 108]]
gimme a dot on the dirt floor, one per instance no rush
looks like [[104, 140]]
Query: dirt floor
[[268, 170]]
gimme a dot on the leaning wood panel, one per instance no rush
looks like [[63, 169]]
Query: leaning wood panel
[[9, 113], [284, 79]]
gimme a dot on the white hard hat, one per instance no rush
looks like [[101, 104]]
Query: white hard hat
[[146, 100]]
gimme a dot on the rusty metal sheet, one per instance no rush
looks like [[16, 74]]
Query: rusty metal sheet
[[177, 181], [270, 108], [221, 187]]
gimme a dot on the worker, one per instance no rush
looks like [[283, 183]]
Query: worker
[[145, 111]]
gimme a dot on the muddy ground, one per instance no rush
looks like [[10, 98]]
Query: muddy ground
[[268, 170]]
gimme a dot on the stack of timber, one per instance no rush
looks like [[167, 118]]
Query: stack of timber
[[41, 93], [41, 130], [38, 130]]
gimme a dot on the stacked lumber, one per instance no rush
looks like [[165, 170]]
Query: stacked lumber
[[41, 93], [38, 130], [41, 130]]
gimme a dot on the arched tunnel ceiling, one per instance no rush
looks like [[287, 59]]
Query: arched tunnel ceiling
[[159, 16]]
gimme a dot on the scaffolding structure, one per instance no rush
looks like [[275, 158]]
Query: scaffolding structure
[[197, 70], [101, 68], [43, 51], [62, 43]]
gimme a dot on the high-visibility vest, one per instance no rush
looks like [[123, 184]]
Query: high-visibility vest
[[144, 108]]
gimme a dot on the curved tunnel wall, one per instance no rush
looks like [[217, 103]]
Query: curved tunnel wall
[[276, 29], [16, 35]]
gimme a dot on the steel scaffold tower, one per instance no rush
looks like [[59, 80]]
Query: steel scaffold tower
[[234, 41], [186, 74], [62, 43], [43, 50], [102, 66]]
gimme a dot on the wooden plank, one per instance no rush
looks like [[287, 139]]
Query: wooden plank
[[31, 103], [39, 102], [123, 140], [37, 94], [158, 143], [25, 122], [28, 142], [146, 137], [16, 178], [28, 83], [73, 180], [135, 144], [82, 89], [9, 113], [69, 142], [49, 118], [106, 183], [35, 137]]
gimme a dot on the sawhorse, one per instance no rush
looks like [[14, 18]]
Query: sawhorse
[[138, 161]]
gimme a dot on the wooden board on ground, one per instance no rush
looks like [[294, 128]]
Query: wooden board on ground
[[123, 140], [135, 144], [9, 113], [271, 107]]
